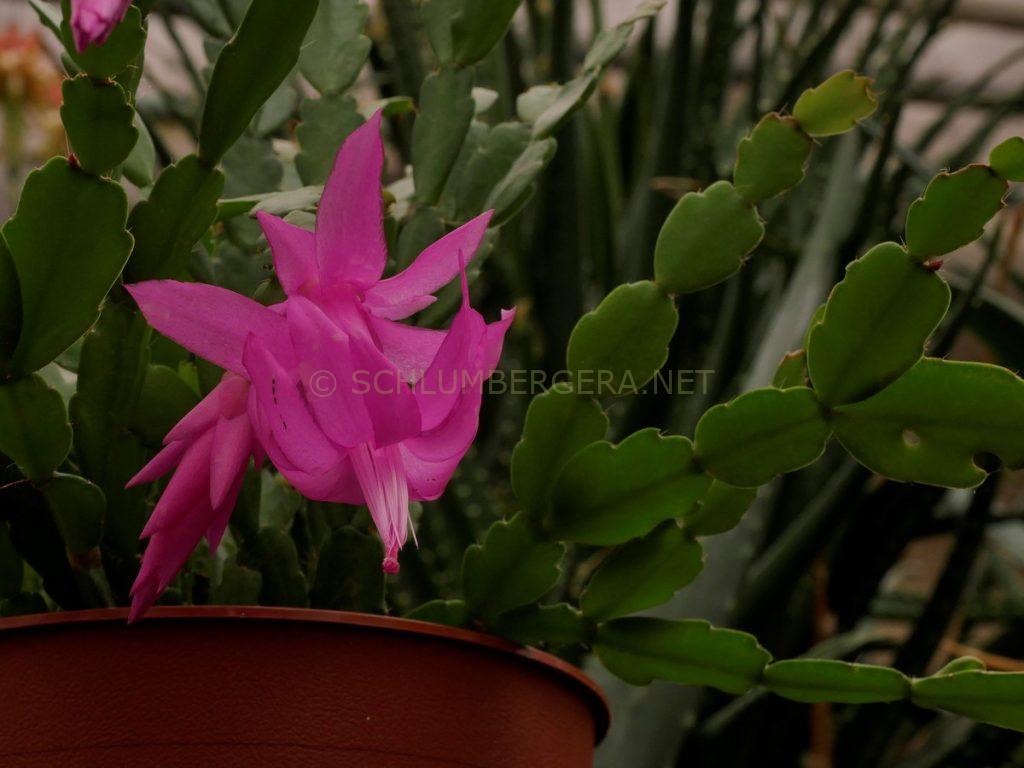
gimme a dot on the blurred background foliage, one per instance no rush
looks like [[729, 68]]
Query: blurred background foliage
[[830, 558]]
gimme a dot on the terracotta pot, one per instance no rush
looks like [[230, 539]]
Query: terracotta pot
[[222, 686]]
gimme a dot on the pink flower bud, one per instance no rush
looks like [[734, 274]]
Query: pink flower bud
[[92, 21]]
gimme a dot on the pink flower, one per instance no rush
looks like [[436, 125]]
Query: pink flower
[[210, 448], [349, 404], [92, 21]]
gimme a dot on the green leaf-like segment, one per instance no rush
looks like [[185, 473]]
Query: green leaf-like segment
[[450, 613], [78, 508], [930, 424], [446, 111], [706, 239], [272, 552], [643, 573], [608, 494], [836, 105], [558, 624], [875, 325], [720, 509], [640, 650], [566, 100], [58, 302], [623, 343], [348, 573], [478, 26], [1008, 159], [34, 429], [761, 434], [772, 159], [249, 69], [514, 566], [954, 211], [335, 48], [991, 697], [821, 680], [98, 121], [181, 207], [559, 424], [10, 305]]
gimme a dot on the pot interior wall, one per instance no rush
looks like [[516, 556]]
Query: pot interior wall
[[176, 691]]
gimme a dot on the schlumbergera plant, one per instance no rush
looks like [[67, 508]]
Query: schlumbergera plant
[[279, 373]]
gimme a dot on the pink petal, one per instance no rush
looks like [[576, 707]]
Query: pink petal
[[388, 399], [349, 221], [327, 376], [160, 464], [294, 250], [209, 321], [452, 369], [284, 412], [166, 553], [226, 400], [494, 339], [232, 444], [188, 487], [379, 308], [435, 267], [453, 436], [411, 348], [427, 480], [222, 514]]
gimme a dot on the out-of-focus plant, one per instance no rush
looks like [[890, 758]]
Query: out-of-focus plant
[[29, 99], [595, 530]]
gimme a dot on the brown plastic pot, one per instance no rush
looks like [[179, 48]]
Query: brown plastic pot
[[223, 686]]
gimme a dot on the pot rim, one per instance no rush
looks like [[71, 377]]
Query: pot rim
[[591, 691]]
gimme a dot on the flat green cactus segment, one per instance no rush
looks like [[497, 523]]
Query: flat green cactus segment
[[558, 624], [792, 370], [262, 53], [954, 211], [59, 304], [771, 159], [623, 343], [565, 102], [706, 239], [446, 111], [450, 613], [720, 509], [1008, 159], [930, 424], [335, 48], [761, 434], [836, 105], [179, 211], [513, 567], [34, 428], [608, 494], [876, 323], [559, 424], [819, 680], [477, 27], [78, 508], [643, 573], [990, 697], [98, 122], [640, 650]]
